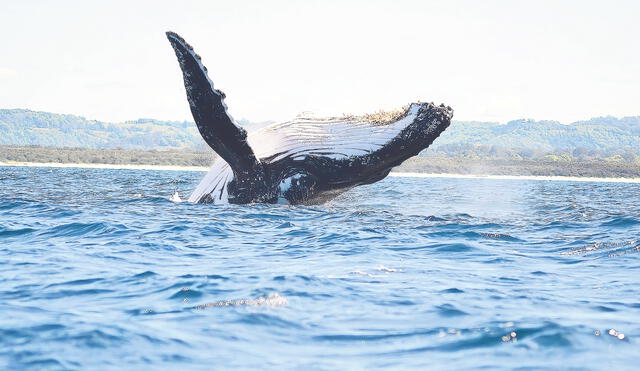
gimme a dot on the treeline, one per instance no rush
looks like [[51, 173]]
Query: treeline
[[601, 138], [495, 152], [436, 165], [21, 127], [24, 127], [599, 169], [112, 156]]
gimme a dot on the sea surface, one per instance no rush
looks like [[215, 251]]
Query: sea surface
[[99, 270]]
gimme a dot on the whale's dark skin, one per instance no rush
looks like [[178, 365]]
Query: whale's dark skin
[[312, 175]]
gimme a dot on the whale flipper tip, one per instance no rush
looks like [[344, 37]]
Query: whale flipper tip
[[171, 34]]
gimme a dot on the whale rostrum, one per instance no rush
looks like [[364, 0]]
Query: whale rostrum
[[304, 161]]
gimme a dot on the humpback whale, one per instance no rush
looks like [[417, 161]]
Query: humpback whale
[[303, 161]]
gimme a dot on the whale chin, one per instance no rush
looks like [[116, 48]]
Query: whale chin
[[305, 160]]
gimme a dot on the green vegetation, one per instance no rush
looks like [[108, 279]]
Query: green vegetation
[[21, 127], [25, 127], [591, 140], [96, 156], [603, 146], [599, 169], [544, 167]]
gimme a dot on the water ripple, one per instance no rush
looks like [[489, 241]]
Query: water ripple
[[407, 273]]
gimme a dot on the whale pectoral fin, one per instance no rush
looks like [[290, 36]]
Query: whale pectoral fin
[[216, 126]]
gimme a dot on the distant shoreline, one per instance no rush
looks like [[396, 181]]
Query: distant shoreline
[[106, 166], [517, 177], [393, 174], [450, 167]]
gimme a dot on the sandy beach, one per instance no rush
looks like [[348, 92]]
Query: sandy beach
[[394, 174], [108, 166]]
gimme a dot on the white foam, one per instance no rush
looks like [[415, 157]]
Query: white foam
[[175, 197]]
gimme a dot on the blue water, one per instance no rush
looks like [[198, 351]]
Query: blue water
[[100, 271]]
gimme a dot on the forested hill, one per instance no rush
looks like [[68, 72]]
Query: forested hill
[[21, 127], [598, 137], [25, 127]]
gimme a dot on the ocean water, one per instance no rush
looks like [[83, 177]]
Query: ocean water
[[100, 271]]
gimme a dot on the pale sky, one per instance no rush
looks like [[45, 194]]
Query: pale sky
[[490, 60]]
